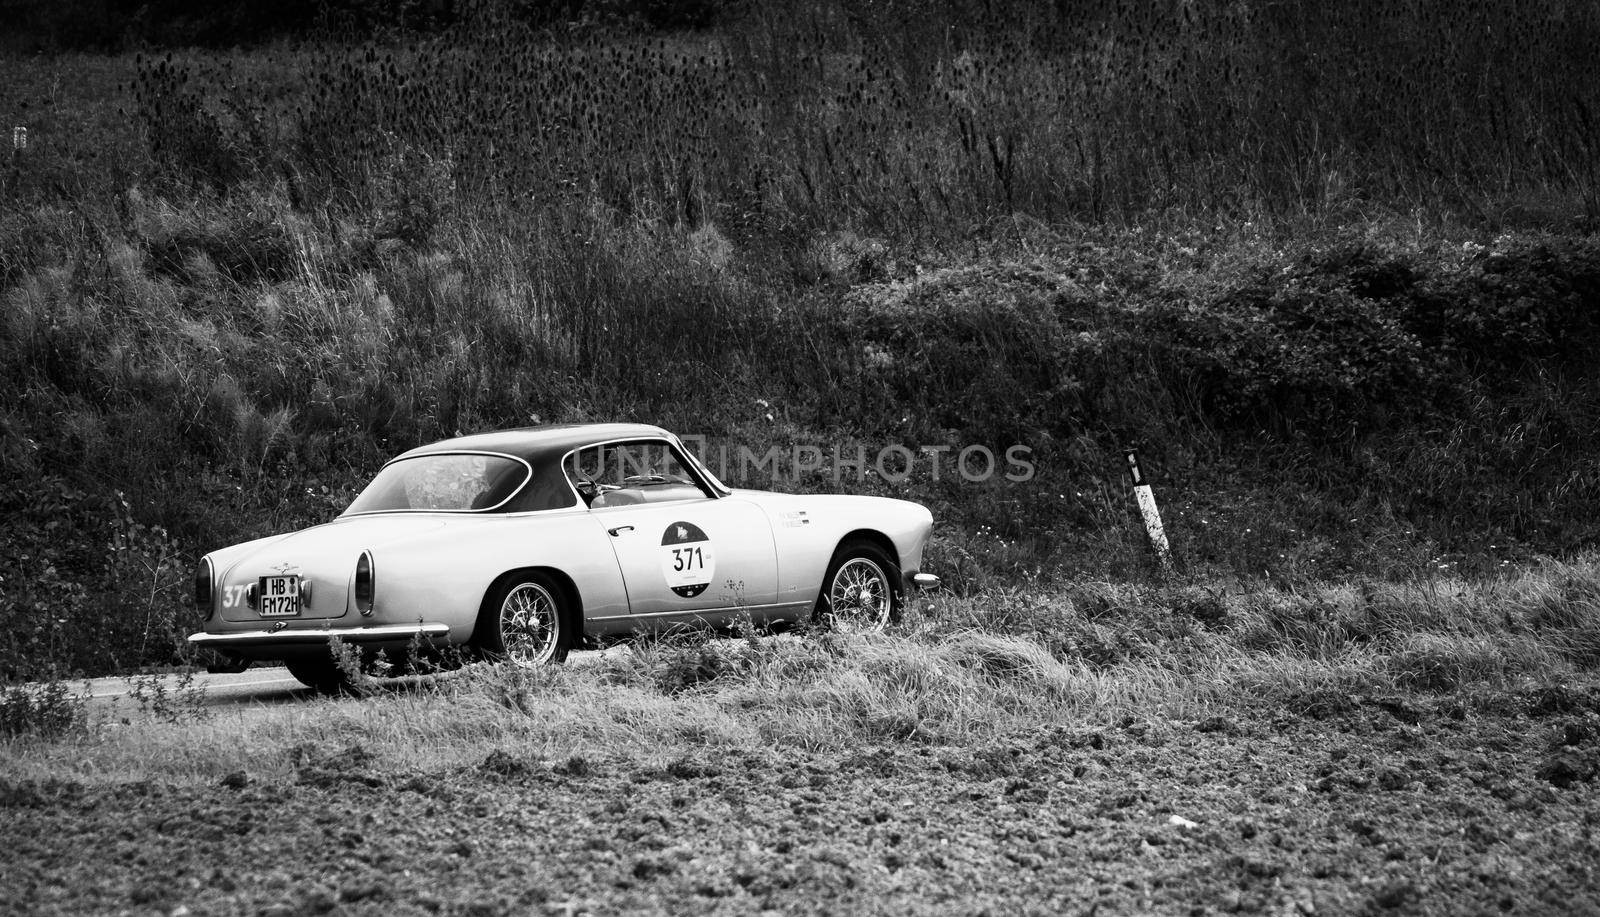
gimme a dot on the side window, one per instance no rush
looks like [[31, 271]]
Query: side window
[[624, 474]]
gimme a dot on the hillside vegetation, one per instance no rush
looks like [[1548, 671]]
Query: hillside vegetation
[[1331, 266]]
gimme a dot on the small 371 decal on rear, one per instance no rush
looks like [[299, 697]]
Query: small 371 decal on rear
[[687, 561]]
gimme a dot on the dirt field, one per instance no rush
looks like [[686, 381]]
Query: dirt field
[[1480, 802]]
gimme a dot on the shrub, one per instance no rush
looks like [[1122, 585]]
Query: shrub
[[1297, 350], [1519, 301], [180, 701], [919, 344], [45, 710]]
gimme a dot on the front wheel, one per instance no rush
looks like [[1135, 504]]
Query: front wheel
[[525, 622], [861, 590]]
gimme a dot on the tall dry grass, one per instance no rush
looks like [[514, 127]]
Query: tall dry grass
[[908, 121], [960, 674]]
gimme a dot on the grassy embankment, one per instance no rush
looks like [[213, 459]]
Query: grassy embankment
[[1343, 302], [1428, 746], [969, 672]]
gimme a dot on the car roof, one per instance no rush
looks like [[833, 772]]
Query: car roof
[[531, 443]]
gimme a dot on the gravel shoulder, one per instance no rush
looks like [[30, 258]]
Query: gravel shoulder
[[1421, 804]]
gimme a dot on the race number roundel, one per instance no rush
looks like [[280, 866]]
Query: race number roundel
[[686, 559]]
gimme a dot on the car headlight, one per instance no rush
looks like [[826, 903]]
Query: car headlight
[[203, 595], [365, 585]]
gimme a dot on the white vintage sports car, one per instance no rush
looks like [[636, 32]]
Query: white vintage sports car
[[523, 544]]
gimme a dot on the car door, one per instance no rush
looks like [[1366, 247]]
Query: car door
[[687, 555]]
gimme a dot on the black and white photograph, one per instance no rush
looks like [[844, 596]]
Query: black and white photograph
[[884, 457]]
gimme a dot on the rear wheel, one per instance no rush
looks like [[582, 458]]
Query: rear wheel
[[861, 590], [526, 622], [324, 675], [224, 663]]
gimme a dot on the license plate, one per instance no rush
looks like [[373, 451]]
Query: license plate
[[279, 596]]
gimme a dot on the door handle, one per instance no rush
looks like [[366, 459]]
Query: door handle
[[620, 529]]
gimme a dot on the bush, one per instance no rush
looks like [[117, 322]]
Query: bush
[[990, 351], [106, 594], [46, 710], [1296, 350], [1520, 301]]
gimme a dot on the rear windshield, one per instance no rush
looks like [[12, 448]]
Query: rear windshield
[[442, 483]]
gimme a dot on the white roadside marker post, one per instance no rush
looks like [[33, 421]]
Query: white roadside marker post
[[19, 142], [1151, 514]]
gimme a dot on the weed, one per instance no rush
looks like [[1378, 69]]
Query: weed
[[680, 662], [355, 668], [169, 699], [46, 710]]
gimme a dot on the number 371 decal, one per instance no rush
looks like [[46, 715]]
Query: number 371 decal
[[687, 561]]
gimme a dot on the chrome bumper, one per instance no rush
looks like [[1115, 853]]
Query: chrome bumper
[[923, 581], [284, 636]]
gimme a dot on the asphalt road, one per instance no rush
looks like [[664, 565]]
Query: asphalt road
[[257, 684], [253, 684]]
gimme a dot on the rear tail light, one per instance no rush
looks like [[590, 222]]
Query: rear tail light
[[203, 596], [364, 583]]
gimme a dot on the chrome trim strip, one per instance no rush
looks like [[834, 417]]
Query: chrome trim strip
[[454, 512], [700, 612], [353, 634]]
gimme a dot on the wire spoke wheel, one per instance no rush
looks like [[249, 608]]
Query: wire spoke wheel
[[530, 625], [859, 596]]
